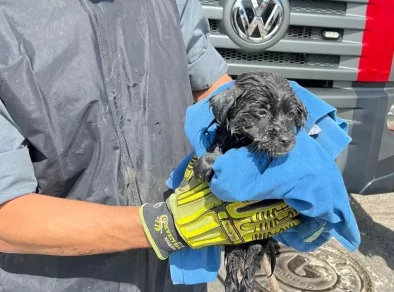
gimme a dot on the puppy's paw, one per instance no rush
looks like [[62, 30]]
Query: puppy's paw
[[203, 169]]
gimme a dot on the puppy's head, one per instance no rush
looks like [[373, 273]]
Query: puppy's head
[[263, 109]]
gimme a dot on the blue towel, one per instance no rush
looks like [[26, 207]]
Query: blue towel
[[308, 179]]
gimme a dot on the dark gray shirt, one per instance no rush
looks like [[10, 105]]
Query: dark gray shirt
[[205, 67]]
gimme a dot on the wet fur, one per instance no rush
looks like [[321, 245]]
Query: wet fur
[[262, 112]]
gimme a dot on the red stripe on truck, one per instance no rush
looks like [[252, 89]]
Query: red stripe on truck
[[378, 42]]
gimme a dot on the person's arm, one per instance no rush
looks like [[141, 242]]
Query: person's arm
[[200, 95], [207, 68], [39, 224]]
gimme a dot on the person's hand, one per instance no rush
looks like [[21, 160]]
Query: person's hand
[[192, 216]]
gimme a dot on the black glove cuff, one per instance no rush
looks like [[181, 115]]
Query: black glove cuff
[[160, 229]]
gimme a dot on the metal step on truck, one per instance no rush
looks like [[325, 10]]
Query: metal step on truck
[[342, 51]]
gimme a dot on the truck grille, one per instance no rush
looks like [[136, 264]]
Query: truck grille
[[213, 25], [280, 58], [298, 32], [321, 7], [308, 32], [303, 51]]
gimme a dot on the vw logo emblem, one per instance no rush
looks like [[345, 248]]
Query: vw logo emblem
[[257, 21], [255, 25]]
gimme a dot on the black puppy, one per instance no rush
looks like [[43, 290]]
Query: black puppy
[[262, 112]]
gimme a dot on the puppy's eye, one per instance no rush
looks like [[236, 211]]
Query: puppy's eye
[[291, 114], [262, 112]]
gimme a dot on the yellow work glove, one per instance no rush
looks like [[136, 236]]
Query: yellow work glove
[[193, 216]]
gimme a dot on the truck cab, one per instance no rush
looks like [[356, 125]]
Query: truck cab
[[342, 51]]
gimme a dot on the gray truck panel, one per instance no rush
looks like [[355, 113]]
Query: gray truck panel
[[381, 173], [387, 147], [294, 71], [333, 21], [213, 12]]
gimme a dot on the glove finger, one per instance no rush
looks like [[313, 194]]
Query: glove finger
[[277, 214], [267, 231], [283, 226], [287, 217], [260, 211]]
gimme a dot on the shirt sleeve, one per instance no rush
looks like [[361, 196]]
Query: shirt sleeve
[[206, 65], [16, 168]]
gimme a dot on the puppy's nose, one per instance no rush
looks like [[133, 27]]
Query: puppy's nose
[[284, 140]]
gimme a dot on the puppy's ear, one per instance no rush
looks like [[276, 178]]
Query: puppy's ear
[[223, 102], [301, 116]]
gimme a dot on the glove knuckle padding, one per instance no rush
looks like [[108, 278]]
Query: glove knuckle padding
[[202, 219], [193, 216]]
